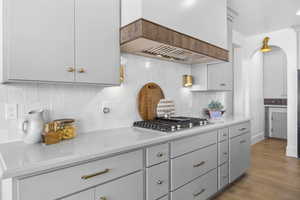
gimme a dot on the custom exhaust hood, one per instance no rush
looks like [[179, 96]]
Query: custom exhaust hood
[[149, 39]]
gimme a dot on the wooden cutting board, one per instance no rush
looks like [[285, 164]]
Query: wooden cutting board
[[148, 98]]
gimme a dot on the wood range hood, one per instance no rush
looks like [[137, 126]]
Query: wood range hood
[[149, 39]]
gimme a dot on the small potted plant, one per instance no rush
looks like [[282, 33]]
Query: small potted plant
[[215, 110]]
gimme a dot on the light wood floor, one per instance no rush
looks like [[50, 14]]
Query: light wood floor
[[272, 175]]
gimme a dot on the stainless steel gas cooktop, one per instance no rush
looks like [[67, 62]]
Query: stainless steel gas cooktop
[[171, 124]]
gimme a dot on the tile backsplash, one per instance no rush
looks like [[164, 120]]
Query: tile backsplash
[[84, 103]]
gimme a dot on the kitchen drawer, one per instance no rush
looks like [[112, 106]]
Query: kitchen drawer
[[127, 188], [190, 166], [85, 195], [223, 176], [157, 154], [239, 129], [157, 181], [223, 134], [69, 180], [190, 144], [223, 152], [164, 198], [200, 189]]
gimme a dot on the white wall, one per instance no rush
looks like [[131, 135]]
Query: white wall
[[84, 102], [256, 103], [241, 88], [275, 74], [285, 39]]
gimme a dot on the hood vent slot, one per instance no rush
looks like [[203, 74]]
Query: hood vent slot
[[168, 52]]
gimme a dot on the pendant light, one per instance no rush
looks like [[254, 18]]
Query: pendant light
[[266, 48]]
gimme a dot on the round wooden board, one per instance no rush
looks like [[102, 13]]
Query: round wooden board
[[148, 99]]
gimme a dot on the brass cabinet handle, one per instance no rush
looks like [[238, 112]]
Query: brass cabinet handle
[[71, 69], [222, 84], [224, 134], [81, 70], [200, 164], [103, 198], [225, 153], [159, 182], [96, 174], [243, 141], [242, 129], [160, 154], [199, 193]]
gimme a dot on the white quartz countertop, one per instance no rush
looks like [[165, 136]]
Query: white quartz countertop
[[19, 159]]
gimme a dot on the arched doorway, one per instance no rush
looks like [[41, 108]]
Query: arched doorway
[[268, 92]]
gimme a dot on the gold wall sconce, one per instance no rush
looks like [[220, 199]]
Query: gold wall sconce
[[187, 80], [122, 73], [266, 48]]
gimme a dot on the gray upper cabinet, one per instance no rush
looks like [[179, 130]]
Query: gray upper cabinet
[[72, 41], [97, 41]]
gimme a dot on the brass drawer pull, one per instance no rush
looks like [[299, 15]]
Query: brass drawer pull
[[242, 129], [243, 141], [159, 182], [224, 135], [225, 153], [198, 194], [200, 164], [222, 84], [160, 154], [103, 198], [96, 174]]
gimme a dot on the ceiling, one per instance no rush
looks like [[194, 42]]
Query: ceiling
[[260, 16]]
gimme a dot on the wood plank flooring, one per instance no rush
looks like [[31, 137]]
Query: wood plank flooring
[[272, 175]]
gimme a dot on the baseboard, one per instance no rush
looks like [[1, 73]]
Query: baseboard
[[292, 151], [257, 138]]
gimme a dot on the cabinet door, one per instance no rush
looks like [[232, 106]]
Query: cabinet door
[[86, 195], [239, 156], [39, 40], [97, 41], [220, 76], [278, 124]]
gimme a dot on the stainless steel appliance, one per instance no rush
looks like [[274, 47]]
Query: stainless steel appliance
[[171, 124]]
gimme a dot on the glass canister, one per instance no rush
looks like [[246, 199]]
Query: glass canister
[[66, 128]]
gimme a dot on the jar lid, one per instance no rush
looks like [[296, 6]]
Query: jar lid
[[64, 121]]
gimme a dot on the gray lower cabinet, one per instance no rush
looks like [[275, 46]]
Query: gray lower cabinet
[[239, 155], [191, 170]]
